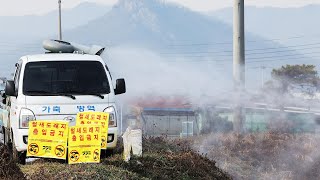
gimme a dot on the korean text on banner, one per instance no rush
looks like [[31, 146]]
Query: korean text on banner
[[95, 118], [84, 144], [48, 139]]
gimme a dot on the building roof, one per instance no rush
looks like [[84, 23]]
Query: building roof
[[169, 111]]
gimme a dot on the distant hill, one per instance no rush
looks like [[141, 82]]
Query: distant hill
[[149, 23], [39, 26], [21, 35]]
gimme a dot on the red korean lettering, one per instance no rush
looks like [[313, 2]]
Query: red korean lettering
[[96, 137], [79, 130], [88, 137], [105, 117], [44, 132], [35, 131], [81, 116], [63, 126], [73, 131], [82, 122], [34, 124], [48, 125], [91, 129], [56, 125], [52, 132], [84, 130], [87, 116], [41, 124], [61, 133], [92, 117], [97, 129], [99, 117], [81, 138], [74, 138]]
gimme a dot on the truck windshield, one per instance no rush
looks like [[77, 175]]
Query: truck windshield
[[65, 77]]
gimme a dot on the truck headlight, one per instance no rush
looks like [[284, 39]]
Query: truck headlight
[[26, 115], [112, 116]]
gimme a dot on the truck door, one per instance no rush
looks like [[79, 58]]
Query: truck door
[[13, 100]]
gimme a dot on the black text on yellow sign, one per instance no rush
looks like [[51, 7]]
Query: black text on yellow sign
[[84, 144], [95, 118], [48, 139]]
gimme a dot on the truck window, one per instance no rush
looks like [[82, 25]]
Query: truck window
[[72, 77]]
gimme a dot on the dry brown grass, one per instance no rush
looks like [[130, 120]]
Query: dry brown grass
[[162, 159], [264, 155], [8, 168], [170, 159]]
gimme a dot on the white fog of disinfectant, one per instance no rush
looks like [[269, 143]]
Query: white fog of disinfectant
[[147, 73]]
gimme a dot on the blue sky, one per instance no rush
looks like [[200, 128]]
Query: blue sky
[[23, 7]]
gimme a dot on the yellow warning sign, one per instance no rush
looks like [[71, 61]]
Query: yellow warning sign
[[48, 139], [95, 118], [84, 144]]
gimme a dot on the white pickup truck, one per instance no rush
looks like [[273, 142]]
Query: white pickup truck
[[56, 86]]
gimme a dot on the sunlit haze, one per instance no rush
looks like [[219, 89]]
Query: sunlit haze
[[18, 7]]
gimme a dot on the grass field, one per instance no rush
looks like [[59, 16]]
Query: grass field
[[162, 159], [213, 156], [264, 155]]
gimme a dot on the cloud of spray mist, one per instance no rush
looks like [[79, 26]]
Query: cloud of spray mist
[[260, 155], [287, 150], [147, 73]]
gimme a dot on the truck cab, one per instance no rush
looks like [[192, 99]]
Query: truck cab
[[57, 86]]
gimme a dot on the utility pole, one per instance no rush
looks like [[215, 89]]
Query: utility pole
[[238, 63], [60, 28]]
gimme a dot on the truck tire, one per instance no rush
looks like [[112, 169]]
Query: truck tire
[[109, 152], [106, 153], [19, 157]]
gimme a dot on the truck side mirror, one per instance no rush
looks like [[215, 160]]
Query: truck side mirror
[[10, 89], [120, 87]]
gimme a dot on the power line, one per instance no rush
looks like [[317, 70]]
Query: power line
[[250, 50], [289, 50], [312, 58], [274, 58], [282, 47], [248, 41], [262, 53], [268, 57]]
